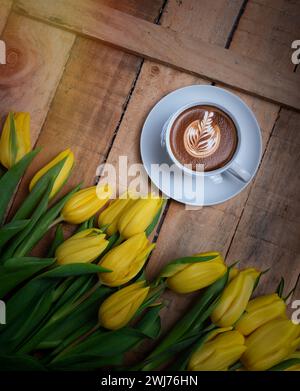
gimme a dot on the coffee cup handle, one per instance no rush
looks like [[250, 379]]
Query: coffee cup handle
[[238, 172]]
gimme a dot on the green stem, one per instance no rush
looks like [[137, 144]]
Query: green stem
[[76, 342], [56, 221]]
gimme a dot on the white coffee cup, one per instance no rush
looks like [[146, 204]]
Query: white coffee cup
[[232, 167]]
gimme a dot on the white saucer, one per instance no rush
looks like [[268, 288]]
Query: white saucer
[[248, 156]]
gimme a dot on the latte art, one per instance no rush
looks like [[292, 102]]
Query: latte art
[[202, 138]]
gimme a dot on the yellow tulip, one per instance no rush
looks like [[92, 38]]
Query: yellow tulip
[[260, 311], [85, 203], [110, 216], [15, 139], [270, 344], [234, 298], [189, 277], [139, 216], [125, 260], [119, 308], [83, 247], [63, 174], [219, 352]]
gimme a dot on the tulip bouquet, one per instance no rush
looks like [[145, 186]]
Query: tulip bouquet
[[52, 304], [230, 331], [86, 303]]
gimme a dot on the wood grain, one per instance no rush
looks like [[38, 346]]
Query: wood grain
[[186, 232], [268, 233], [36, 56], [154, 82], [5, 7], [89, 102], [169, 47]]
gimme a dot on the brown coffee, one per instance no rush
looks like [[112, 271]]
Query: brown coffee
[[203, 135]]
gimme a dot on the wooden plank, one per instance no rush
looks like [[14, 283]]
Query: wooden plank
[[254, 31], [214, 227], [5, 8], [268, 233], [89, 102], [36, 56], [169, 47], [154, 82]]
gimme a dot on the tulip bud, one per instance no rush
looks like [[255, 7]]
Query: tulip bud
[[260, 311], [83, 247], [125, 260], [15, 139], [110, 216], [119, 308], [270, 344], [190, 277], [137, 217], [85, 203], [234, 298], [68, 158], [219, 352]]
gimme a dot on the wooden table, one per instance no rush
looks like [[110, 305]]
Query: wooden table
[[93, 97]]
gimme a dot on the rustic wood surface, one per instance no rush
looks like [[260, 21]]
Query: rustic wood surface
[[94, 98], [169, 47]]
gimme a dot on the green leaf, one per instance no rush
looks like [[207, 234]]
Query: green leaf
[[190, 323], [70, 319], [84, 362], [106, 344], [280, 287], [57, 241], [42, 226], [74, 269], [20, 362], [91, 222], [28, 316], [235, 366], [10, 180], [9, 230], [150, 325], [72, 289], [286, 364], [15, 248], [16, 270], [103, 343], [57, 319], [41, 208], [111, 243], [31, 202], [151, 227]]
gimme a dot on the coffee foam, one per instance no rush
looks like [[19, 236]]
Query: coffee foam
[[205, 135], [202, 138]]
